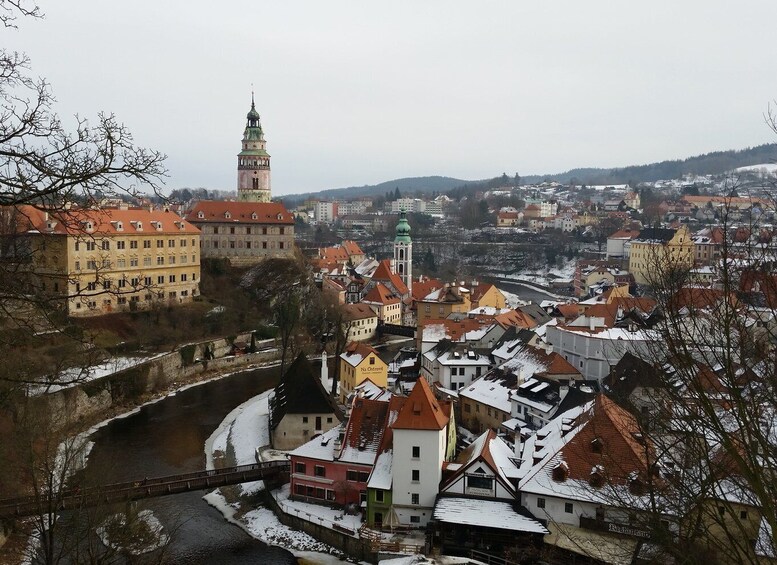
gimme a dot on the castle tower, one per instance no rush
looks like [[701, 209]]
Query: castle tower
[[253, 162], [403, 251]]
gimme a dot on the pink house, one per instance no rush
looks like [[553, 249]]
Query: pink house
[[334, 467]]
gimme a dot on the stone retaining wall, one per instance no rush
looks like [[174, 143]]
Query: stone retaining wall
[[355, 548], [187, 363]]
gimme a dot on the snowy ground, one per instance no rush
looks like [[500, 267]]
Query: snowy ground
[[78, 375], [153, 539], [235, 442]]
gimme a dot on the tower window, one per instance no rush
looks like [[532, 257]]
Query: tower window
[[255, 182]]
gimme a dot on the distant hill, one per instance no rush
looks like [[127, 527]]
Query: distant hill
[[715, 163], [407, 186]]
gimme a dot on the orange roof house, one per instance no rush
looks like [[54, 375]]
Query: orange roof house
[[422, 411]]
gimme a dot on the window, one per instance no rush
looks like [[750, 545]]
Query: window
[[215, 229], [134, 281], [372, 360], [171, 278], [415, 519], [183, 243], [743, 514], [378, 496], [231, 229], [106, 245], [78, 265], [171, 243], [91, 286], [90, 246], [133, 261], [282, 231], [146, 244], [121, 263], [352, 475], [299, 467], [160, 243], [171, 260], [540, 502], [319, 471], [147, 281], [160, 279], [146, 261], [106, 284], [91, 265], [160, 260], [568, 507], [184, 277], [134, 244], [415, 498], [122, 283], [415, 475], [416, 451], [304, 419]]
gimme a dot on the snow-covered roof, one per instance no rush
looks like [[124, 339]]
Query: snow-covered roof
[[381, 477], [485, 513], [489, 391], [321, 448]]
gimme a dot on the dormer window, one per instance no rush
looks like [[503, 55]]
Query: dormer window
[[597, 445], [280, 216], [200, 214], [254, 216], [596, 479], [227, 215], [560, 472]]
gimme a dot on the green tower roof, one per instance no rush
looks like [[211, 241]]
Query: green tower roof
[[253, 130], [403, 229]]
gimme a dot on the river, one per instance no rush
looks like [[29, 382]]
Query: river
[[167, 438]]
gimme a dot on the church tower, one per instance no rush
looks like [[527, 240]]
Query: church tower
[[253, 162], [403, 251]]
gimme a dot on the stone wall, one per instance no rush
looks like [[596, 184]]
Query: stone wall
[[134, 384], [353, 547]]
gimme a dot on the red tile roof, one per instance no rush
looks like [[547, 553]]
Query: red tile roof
[[382, 295], [478, 291], [421, 410], [216, 211], [352, 248], [358, 312], [617, 431], [104, 221], [384, 273], [421, 289]]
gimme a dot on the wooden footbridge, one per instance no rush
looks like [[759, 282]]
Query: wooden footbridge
[[273, 471]]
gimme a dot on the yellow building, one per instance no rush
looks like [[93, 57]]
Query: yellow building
[[657, 251], [358, 363], [96, 261], [487, 295], [441, 303]]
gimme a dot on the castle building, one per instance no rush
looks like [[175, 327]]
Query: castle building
[[103, 260], [403, 251], [253, 162], [245, 233]]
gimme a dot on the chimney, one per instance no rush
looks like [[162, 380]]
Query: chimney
[[517, 444], [562, 392], [591, 323]]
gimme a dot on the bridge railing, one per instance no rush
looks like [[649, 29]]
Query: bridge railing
[[142, 488]]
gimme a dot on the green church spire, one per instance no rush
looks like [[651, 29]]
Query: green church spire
[[403, 229]]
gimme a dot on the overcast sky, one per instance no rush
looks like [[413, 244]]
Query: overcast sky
[[354, 93]]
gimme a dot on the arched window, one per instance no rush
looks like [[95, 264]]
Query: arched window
[[401, 254]]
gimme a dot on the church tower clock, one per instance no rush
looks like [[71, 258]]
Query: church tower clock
[[253, 162]]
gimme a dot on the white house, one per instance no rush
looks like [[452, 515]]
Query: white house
[[453, 367], [421, 445]]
